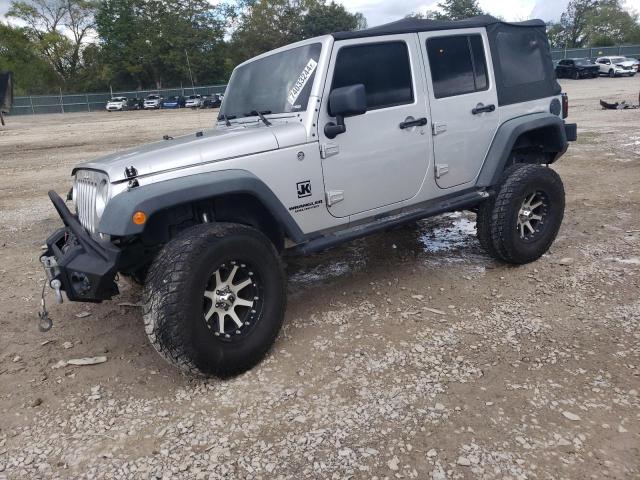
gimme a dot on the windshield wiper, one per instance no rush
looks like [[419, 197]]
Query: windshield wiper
[[226, 118], [262, 116]]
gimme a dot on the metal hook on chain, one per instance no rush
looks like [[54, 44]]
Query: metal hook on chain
[[44, 321]]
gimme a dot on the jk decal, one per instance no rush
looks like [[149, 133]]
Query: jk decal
[[304, 189]]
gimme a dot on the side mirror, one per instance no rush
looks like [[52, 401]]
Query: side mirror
[[345, 102]]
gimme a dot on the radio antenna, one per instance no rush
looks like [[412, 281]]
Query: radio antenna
[[193, 86]]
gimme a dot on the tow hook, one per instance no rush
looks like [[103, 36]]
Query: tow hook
[[50, 268]]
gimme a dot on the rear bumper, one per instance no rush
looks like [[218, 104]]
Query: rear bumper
[[84, 269], [571, 131]]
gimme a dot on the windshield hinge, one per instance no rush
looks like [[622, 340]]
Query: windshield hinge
[[329, 150]]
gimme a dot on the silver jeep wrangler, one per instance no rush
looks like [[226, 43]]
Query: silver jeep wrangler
[[318, 143]]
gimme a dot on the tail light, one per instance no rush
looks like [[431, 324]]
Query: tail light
[[565, 105]]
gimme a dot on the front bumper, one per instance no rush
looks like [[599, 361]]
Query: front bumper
[[76, 263]]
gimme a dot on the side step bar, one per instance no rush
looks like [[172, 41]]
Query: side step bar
[[457, 202]]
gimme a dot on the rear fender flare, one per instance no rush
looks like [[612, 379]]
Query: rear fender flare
[[507, 136]]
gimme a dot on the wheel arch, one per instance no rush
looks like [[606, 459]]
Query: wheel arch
[[521, 140], [230, 195]]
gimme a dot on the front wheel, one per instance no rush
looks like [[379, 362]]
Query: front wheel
[[215, 299], [527, 213], [612, 74], [576, 75]]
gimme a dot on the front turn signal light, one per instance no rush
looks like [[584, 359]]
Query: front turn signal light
[[139, 218]]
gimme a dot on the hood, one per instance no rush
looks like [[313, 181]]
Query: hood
[[214, 145], [626, 63]]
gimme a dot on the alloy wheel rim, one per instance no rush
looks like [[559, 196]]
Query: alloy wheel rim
[[532, 216], [232, 300]]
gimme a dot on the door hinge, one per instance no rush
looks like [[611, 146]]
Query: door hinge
[[334, 196], [441, 169], [329, 150], [438, 128]]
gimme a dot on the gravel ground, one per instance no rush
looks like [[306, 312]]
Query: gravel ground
[[409, 354]]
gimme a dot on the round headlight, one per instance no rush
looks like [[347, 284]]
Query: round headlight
[[102, 197]]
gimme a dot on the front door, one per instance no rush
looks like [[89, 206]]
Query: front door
[[464, 102], [378, 161]]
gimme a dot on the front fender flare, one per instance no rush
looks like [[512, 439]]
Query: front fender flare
[[156, 197]]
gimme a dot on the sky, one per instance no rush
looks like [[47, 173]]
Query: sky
[[381, 11]]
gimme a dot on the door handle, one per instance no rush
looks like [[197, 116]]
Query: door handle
[[420, 122], [480, 108]]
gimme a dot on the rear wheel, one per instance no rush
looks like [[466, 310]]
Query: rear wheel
[[215, 299], [527, 213], [576, 75]]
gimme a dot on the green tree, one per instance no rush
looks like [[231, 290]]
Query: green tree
[[59, 28], [18, 53], [323, 18], [608, 23], [263, 25], [148, 42], [459, 9], [575, 23], [595, 23]]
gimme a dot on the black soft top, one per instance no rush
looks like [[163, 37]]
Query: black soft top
[[520, 51], [414, 25]]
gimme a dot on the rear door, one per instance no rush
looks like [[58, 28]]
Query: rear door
[[463, 100]]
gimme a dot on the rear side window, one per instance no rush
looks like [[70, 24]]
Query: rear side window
[[458, 65], [383, 68], [521, 58]]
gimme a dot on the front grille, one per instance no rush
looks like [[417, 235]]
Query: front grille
[[86, 188]]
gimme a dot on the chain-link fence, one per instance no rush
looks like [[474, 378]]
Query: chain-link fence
[[91, 102], [622, 51]]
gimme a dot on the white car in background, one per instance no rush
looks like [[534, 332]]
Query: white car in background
[[616, 66], [152, 102], [117, 104], [193, 101]]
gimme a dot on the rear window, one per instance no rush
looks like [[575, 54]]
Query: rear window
[[521, 58], [383, 68], [458, 65]]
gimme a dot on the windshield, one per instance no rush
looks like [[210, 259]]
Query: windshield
[[279, 83], [118, 99], [153, 97], [583, 61], [618, 59]]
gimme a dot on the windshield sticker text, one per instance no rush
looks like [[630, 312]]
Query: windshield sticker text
[[302, 81]]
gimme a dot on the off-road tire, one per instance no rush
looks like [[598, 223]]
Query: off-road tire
[[173, 299], [483, 228], [519, 182]]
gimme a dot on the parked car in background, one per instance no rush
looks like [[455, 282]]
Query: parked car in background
[[194, 101], [212, 101], [616, 66], [177, 101], [117, 104], [152, 102], [135, 103], [577, 68], [636, 63]]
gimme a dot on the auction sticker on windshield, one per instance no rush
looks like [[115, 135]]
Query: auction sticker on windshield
[[301, 82]]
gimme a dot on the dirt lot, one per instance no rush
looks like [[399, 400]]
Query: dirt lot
[[409, 354]]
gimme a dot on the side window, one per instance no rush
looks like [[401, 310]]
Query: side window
[[383, 68], [458, 65]]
